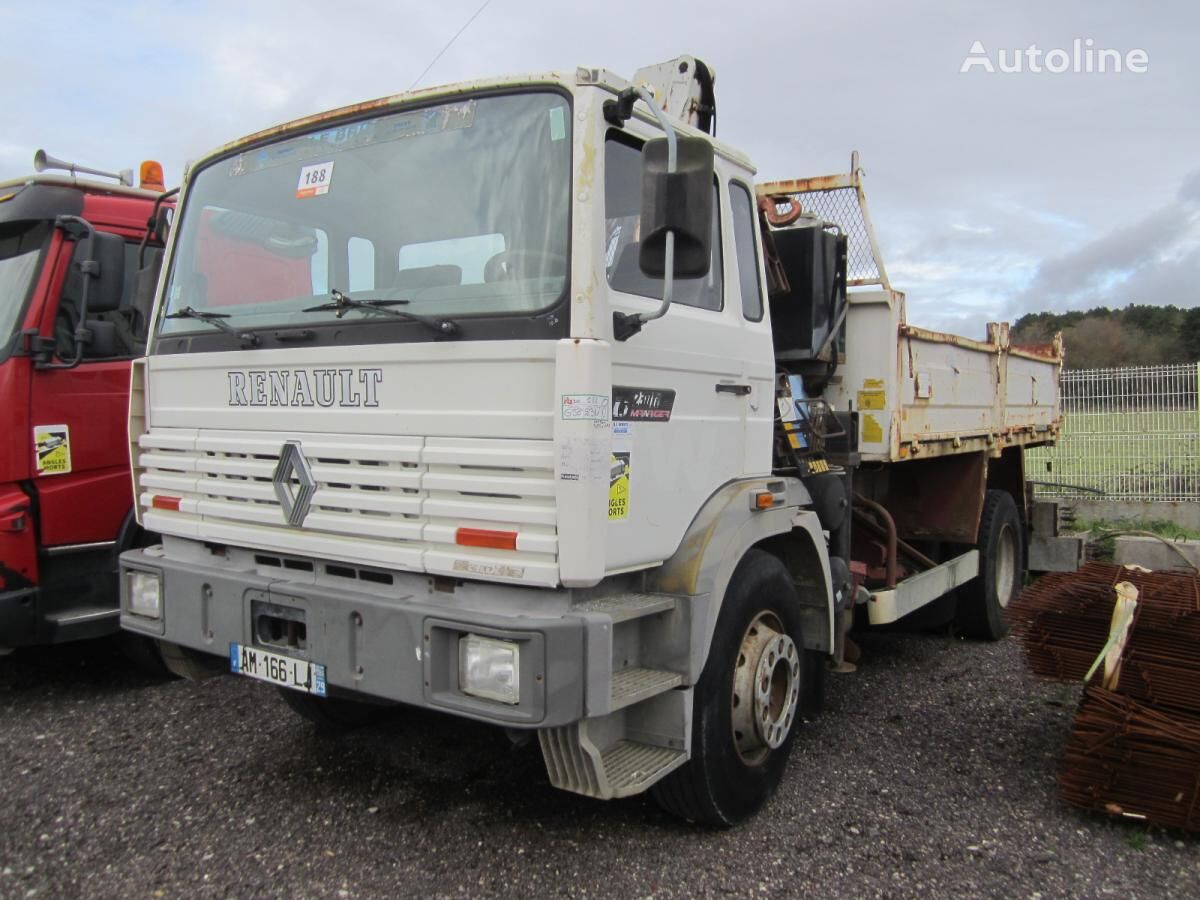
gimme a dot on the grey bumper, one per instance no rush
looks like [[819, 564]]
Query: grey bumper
[[402, 647]]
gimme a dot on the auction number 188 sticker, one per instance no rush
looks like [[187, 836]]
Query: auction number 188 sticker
[[314, 180]]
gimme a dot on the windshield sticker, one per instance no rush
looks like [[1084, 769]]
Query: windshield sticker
[[305, 147], [558, 125], [632, 404], [314, 180], [52, 449]]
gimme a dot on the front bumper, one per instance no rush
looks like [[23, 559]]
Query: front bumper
[[401, 644]]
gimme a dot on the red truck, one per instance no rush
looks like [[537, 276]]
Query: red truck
[[75, 257]]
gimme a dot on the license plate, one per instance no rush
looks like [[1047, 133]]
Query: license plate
[[275, 668]]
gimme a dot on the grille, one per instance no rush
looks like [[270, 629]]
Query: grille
[[383, 501]]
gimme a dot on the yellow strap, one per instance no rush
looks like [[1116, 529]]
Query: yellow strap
[[1118, 636]]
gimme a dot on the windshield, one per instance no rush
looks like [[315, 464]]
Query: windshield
[[20, 249], [447, 212]]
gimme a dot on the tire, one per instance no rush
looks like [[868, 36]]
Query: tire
[[143, 651], [982, 601], [333, 713], [737, 758], [183, 662]]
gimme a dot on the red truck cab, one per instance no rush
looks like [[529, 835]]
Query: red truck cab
[[67, 246]]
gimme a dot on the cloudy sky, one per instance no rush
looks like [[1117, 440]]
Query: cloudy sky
[[993, 193]]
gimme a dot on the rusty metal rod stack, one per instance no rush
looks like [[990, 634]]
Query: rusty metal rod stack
[[1134, 750], [1128, 759]]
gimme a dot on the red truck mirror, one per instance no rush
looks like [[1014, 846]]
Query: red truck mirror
[[94, 284]]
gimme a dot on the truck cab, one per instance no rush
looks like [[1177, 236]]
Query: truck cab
[[71, 251], [472, 400]]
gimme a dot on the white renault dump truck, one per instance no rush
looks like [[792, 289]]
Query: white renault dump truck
[[520, 401]]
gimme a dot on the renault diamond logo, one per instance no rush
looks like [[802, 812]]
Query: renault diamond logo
[[294, 485]]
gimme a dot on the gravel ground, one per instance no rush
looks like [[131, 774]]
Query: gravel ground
[[931, 773]]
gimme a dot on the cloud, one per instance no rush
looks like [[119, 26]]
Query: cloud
[[1154, 259]]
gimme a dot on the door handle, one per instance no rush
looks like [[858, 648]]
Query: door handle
[[740, 390], [13, 520]]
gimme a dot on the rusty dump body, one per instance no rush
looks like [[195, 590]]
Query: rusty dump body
[[918, 393]]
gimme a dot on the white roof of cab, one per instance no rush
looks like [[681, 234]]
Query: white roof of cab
[[582, 77]]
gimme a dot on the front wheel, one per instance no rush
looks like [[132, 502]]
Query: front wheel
[[143, 651], [333, 713], [746, 701]]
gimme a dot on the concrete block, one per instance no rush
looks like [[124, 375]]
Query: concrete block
[[1055, 554], [1154, 554], [1184, 513]]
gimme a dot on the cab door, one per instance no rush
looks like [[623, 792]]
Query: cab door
[[688, 390], [77, 441]]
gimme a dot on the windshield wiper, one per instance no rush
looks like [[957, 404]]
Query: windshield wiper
[[343, 303], [214, 319]]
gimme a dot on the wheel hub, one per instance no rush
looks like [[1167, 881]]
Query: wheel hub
[[766, 688], [1006, 566]]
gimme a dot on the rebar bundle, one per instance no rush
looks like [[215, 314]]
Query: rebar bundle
[[1125, 758], [1135, 746]]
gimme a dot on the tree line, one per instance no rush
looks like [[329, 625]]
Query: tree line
[[1137, 335]]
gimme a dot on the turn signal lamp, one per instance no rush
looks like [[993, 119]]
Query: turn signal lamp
[[486, 537]]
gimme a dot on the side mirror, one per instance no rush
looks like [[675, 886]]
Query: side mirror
[[102, 341], [679, 202], [158, 226], [95, 283], [108, 277], [163, 217]]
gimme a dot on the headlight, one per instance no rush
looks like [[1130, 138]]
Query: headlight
[[489, 668], [145, 594]]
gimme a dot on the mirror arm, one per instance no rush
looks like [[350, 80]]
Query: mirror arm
[[625, 326], [152, 224], [79, 229]]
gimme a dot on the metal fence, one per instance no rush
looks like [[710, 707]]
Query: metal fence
[[1128, 434]]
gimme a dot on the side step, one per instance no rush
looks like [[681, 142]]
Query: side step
[[633, 767], [627, 767], [639, 729], [623, 607], [634, 685]]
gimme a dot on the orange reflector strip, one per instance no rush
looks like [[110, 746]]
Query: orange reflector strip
[[485, 537], [161, 502], [764, 501]]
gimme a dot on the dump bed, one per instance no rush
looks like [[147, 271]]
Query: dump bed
[[921, 393], [918, 393]]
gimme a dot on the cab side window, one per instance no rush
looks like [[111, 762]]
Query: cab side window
[[622, 215], [741, 203]]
